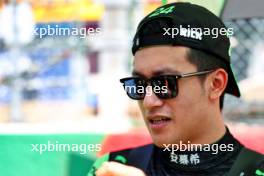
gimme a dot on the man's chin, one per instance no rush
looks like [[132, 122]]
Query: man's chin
[[161, 142]]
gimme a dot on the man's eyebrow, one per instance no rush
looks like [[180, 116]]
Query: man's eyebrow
[[157, 72], [165, 71]]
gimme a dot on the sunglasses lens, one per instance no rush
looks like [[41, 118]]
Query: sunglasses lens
[[164, 87], [167, 86], [135, 88]]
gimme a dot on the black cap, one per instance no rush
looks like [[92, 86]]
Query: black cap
[[191, 26]]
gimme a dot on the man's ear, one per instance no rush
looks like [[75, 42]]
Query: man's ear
[[218, 83]]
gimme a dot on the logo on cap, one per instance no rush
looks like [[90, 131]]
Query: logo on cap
[[189, 33], [162, 10], [194, 33]]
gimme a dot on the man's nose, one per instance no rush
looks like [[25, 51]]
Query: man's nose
[[151, 100]]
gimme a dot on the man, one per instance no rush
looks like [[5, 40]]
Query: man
[[181, 73]]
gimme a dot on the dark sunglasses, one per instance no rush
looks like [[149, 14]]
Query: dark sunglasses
[[164, 86]]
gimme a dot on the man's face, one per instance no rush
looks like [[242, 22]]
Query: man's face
[[178, 119]]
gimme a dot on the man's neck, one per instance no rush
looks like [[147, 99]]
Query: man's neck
[[213, 129]]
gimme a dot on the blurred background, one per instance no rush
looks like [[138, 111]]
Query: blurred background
[[65, 86]]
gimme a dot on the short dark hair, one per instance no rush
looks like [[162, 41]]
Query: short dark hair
[[205, 61]]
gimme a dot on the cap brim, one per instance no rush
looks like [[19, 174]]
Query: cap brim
[[232, 87]]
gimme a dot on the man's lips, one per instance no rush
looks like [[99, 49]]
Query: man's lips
[[157, 117], [158, 121]]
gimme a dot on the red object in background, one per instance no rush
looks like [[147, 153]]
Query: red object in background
[[252, 137]]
